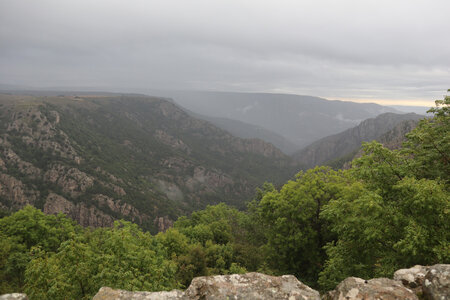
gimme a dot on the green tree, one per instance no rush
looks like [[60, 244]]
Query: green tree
[[291, 219], [120, 257], [396, 213], [20, 232], [429, 144]]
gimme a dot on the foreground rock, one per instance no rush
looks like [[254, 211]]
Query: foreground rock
[[437, 283], [418, 282], [249, 286], [14, 296], [246, 286], [412, 278], [106, 293], [354, 288]]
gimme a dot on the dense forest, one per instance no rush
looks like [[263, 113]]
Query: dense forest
[[388, 211]]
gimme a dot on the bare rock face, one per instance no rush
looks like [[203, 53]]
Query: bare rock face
[[412, 278], [437, 282], [14, 296], [163, 223], [71, 180], [17, 193], [2, 165], [354, 288], [23, 166], [80, 212], [122, 208], [171, 141], [106, 293], [246, 286]]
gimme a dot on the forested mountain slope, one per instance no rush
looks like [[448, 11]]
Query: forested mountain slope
[[99, 158], [349, 141]]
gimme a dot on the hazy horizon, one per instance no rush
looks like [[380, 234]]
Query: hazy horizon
[[385, 52]]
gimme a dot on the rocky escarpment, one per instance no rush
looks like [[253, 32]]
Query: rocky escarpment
[[434, 285]]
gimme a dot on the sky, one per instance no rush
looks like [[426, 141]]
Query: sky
[[388, 52]]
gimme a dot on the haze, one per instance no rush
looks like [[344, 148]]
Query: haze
[[390, 52]]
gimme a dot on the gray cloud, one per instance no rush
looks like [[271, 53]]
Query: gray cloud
[[345, 49]]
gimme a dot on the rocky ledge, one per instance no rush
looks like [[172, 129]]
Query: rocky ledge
[[244, 286], [418, 282]]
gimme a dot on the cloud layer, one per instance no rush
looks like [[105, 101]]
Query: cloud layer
[[337, 49]]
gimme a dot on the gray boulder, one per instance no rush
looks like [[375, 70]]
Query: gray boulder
[[249, 286], [412, 278], [106, 293], [437, 283], [245, 286], [14, 296], [354, 288]]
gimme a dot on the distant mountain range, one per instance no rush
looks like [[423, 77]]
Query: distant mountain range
[[100, 157], [249, 131], [344, 145], [301, 120], [420, 110]]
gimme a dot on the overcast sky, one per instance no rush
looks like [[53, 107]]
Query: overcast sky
[[359, 50]]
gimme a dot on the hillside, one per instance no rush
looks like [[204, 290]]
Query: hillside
[[249, 131], [300, 119], [348, 142], [99, 158]]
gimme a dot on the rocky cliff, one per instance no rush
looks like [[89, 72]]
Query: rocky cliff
[[101, 158]]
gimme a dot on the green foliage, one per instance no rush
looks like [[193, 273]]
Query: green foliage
[[122, 257], [208, 242], [397, 212], [429, 144], [23, 230], [294, 230]]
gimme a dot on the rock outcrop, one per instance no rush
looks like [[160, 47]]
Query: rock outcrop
[[14, 296], [82, 213], [354, 288], [106, 293], [163, 223], [249, 286], [246, 286], [16, 192], [412, 278], [407, 285], [436, 285]]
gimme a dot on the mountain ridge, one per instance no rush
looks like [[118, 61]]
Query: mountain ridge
[[349, 141]]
